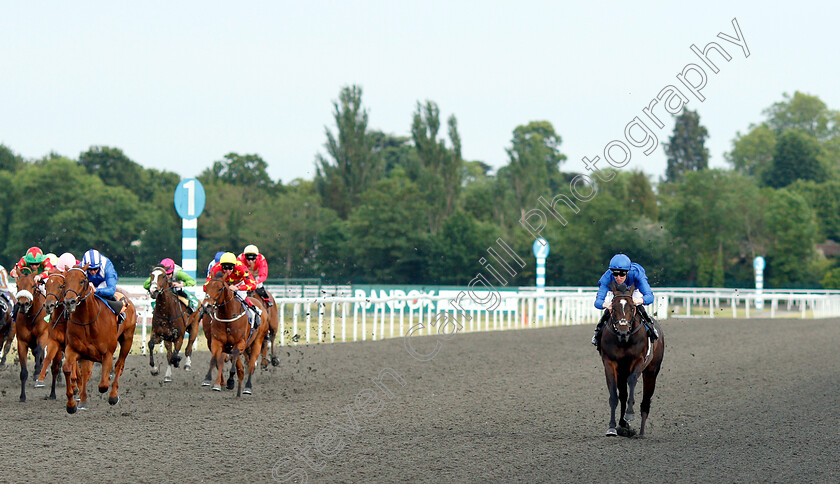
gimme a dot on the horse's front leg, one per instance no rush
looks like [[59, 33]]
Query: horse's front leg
[[23, 349], [611, 372], [622, 397], [219, 360], [193, 329], [85, 372], [107, 367], [152, 343], [69, 370], [176, 356], [630, 415]]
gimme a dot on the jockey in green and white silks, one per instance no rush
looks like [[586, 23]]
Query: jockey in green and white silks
[[180, 279]]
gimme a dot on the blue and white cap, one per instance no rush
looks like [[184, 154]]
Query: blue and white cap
[[93, 259]]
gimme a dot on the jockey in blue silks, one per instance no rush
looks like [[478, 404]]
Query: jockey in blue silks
[[103, 276], [622, 271]]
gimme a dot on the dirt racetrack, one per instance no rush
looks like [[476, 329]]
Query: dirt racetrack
[[737, 401]]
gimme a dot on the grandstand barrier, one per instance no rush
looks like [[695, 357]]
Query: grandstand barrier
[[310, 318]]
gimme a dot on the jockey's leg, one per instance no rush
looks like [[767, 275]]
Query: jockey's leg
[[253, 311], [183, 293], [264, 294], [652, 333], [596, 338]]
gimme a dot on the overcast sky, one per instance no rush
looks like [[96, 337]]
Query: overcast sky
[[177, 85]]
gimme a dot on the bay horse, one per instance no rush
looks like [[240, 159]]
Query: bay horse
[[30, 328], [93, 333], [7, 333], [231, 334], [170, 320], [627, 352]]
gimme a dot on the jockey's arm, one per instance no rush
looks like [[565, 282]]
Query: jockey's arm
[[602, 292], [184, 279]]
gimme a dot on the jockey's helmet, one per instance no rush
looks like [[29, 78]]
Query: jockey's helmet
[[93, 259], [251, 249], [228, 258], [34, 256], [620, 262], [219, 255], [168, 264], [52, 258], [65, 261]]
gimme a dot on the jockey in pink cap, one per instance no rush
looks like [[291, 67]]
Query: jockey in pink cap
[[179, 279]]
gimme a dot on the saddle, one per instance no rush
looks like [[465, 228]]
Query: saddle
[[117, 307]]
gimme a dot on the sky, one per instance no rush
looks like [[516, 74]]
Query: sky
[[177, 85]]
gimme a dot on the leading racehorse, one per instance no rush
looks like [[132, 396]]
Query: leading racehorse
[[170, 320], [627, 352], [93, 333], [30, 328], [230, 332], [54, 289]]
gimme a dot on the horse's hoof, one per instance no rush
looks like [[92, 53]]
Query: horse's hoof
[[155, 371], [83, 405], [167, 379], [22, 399], [52, 397], [230, 385], [246, 391], [629, 417], [611, 432], [217, 388], [71, 410], [102, 389], [113, 400], [39, 384], [275, 361], [187, 368], [206, 383]]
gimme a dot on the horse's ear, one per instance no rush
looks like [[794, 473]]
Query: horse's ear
[[85, 267]]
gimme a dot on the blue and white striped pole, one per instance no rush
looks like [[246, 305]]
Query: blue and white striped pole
[[189, 203], [541, 253], [189, 246], [758, 265]]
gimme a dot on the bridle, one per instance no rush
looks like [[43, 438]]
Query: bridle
[[160, 291], [80, 297], [57, 297], [624, 335], [31, 296], [217, 304]]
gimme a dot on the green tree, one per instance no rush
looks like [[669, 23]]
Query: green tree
[[793, 232], [249, 171], [752, 153], [455, 250], [440, 169], [796, 158], [352, 166], [805, 113], [9, 160], [686, 148], [534, 161], [824, 199]]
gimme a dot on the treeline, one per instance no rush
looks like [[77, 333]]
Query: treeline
[[385, 208]]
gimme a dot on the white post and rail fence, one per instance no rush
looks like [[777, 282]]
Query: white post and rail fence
[[342, 316]]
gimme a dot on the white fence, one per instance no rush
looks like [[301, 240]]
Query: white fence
[[344, 318]]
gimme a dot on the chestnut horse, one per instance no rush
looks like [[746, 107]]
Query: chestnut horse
[[231, 334], [627, 352], [30, 328], [93, 333], [54, 288], [7, 334], [170, 320]]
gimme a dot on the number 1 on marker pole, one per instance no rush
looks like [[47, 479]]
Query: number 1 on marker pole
[[190, 187]]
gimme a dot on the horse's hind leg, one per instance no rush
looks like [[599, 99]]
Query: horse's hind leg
[[52, 350], [175, 359], [240, 372], [622, 398], [193, 329], [208, 378], [107, 366], [230, 380], [647, 393]]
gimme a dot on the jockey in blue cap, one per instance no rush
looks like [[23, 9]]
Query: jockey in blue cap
[[214, 261], [622, 271], [103, 276]]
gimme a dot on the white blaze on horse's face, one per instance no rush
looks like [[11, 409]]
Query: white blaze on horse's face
[[153, 287]]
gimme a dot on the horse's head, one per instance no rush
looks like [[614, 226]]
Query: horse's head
[[27, 290], [160, 282], [216, 290], [76, 287], [54, 289], [623, 314]]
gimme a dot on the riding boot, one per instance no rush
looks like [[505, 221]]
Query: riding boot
[[596, 338], [652, 333], [264, 294], [254, 317]]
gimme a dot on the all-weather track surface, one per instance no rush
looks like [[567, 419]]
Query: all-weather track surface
[[736, 401]]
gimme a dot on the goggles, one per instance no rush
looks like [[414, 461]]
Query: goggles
[[251, 256], [228, 266], [619, 272]]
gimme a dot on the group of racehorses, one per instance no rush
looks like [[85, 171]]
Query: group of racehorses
[[64, 319]]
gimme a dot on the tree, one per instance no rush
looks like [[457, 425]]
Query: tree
[[440, 170], [824, 199], [796, 157], [534, 161], [455, 250], [752, 153], [9, 161], [686, 149], [793, 232], [353, 165], [805, 113], [248, 171]]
